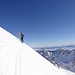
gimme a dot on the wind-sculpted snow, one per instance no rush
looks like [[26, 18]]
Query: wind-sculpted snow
[[17, 58]]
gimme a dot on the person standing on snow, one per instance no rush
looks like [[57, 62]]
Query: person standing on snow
[[21, 37]]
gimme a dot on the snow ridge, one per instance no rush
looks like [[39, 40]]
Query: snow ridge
[[19, 59]]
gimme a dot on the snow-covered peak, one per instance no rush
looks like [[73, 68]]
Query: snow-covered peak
[[61, 58], [17, 58]]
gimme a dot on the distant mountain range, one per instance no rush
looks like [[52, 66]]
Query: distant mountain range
[[51, 48], [60, 56]]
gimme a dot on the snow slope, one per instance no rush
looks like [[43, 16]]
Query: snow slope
[[19, 59], [67, 72]]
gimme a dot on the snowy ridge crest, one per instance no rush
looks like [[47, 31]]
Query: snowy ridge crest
[[17, 58]]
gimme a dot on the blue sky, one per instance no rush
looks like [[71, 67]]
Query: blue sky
[[43, 22]]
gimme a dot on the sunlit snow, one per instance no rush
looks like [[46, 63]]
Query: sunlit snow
[[17, 58]]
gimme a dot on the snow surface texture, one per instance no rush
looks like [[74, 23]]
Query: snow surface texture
[[17, 58]]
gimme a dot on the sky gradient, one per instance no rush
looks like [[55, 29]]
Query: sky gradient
[[43, 22]]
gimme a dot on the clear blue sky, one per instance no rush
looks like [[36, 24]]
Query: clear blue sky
[[43, 22]]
